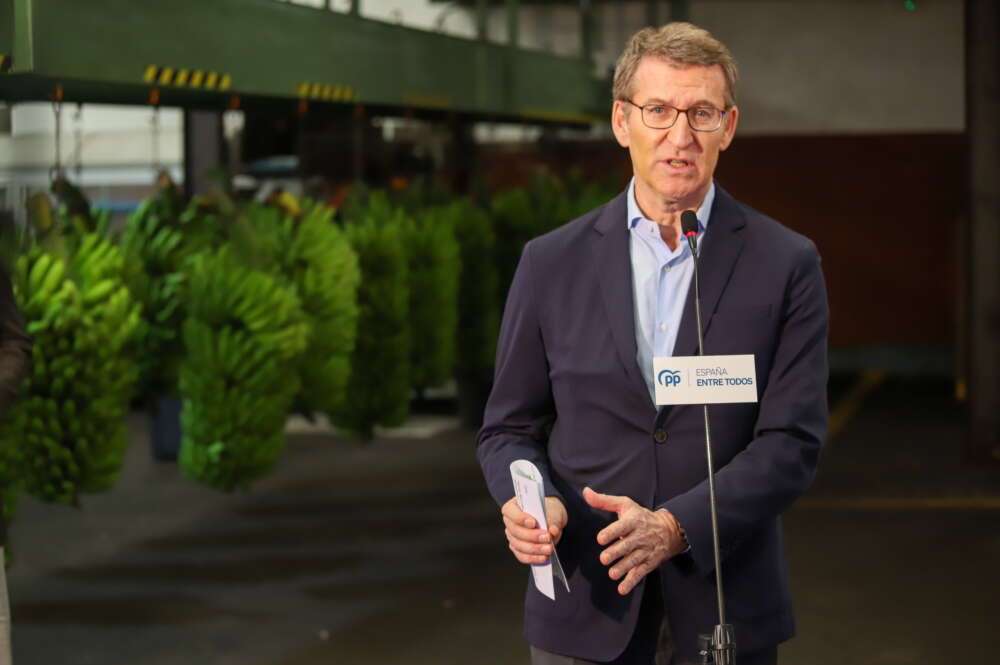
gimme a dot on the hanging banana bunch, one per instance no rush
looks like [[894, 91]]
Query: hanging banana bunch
[[326, 275], [314, 256], [68, 421], [31, 434], [434, 266], [243, 336], [155, 249], [107, 376], [378, 390]]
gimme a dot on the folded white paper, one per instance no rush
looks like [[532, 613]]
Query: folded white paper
[[529, 488]]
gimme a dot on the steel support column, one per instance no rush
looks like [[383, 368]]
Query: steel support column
[[462, 162], [203, 139], [482, 19], [982, 247], [652, 12], [358, 121], [513, 26], [587, 30], [679, 10]]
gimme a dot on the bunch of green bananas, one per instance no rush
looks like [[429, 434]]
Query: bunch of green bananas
[[45, 298], [434, 265], [314, 256], [243, 336], [155, 249], [477, 302], [379, 387], [69, 417]]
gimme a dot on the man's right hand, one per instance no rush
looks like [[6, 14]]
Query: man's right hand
[[529, 543]]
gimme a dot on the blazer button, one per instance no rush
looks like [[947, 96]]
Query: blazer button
[[660, 435]]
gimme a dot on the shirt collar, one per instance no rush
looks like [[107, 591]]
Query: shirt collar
[[702, 213]]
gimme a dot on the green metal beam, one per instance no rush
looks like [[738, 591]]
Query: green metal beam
[[499, 3], [197, 53]]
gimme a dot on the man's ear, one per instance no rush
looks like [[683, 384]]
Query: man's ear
[[619, 123], [732, 117]]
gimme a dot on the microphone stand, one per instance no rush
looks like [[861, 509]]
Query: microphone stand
[[720, 646]]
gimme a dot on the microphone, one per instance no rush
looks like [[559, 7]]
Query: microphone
[[689, 226], [720, 646]]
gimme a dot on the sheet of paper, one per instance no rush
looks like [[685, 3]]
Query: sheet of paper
[[529, 488]]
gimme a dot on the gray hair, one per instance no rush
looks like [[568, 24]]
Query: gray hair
[[682, 43]]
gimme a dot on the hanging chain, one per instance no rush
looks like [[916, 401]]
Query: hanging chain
[[78, 120], [57, 168], [157, 167]]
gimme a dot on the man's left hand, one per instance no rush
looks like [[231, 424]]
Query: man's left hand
[[642, 538]]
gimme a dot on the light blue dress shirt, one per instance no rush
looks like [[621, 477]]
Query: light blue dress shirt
[[660, 282]]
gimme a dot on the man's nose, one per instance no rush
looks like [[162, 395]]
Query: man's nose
[[680, 134]]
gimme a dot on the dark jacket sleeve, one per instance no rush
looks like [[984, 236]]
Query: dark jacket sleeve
[[15, 357], [520, 408], [15, 345]]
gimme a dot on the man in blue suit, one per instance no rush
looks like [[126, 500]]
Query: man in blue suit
[[626, 483]]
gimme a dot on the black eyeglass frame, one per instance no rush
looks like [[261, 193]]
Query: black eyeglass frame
[[642, 114]]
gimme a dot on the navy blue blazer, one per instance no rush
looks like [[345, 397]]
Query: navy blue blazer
[[568, 395]]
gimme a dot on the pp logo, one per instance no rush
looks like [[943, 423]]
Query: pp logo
[[668, 378]]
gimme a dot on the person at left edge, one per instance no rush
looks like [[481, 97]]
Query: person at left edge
[[15, 357]]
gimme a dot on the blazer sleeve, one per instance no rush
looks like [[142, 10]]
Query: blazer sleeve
[[520, 410], [15, 345], [779, 463]]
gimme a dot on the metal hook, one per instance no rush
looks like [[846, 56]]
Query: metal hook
[[56, 169]]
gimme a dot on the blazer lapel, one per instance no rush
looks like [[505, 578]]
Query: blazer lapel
[[614, 263], [720, 248]]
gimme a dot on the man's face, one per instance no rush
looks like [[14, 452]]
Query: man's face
[[673, 167]]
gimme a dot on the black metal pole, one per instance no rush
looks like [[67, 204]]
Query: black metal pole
[[723, 645]]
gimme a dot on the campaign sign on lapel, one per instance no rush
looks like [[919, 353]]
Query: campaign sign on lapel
[[705, 379]]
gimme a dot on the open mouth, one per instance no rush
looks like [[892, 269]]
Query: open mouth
[[678, 163]]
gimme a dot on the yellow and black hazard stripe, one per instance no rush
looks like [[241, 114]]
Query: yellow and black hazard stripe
[[196, 79], [326, 92], [5, 63]]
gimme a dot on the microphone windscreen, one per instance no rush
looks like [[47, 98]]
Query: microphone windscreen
[[689, 222]]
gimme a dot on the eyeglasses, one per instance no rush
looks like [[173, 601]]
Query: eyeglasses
[[662, 116]]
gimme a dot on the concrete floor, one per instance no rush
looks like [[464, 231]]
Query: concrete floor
[[392, 553]]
